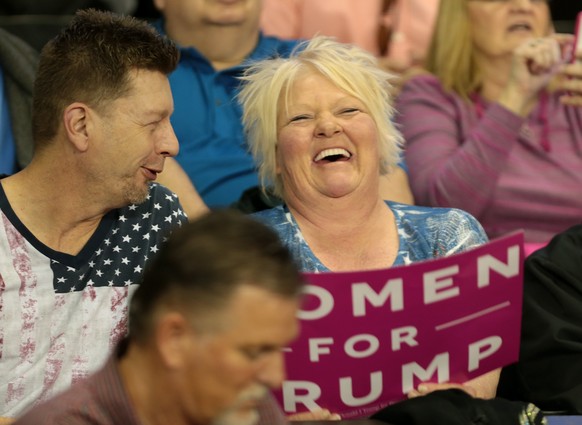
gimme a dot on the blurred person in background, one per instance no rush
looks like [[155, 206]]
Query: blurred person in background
[[495, 125], [218, 41], [18, 62]]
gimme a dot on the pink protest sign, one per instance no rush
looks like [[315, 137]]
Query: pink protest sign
[[368, 338]]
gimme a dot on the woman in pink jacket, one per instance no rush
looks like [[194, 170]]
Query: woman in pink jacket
[[494, 129]]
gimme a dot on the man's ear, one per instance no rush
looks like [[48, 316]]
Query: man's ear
[[76, 120], [160, 5], [174, 337]]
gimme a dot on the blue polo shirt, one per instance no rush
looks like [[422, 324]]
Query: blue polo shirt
[[7, 148], [208, 122]]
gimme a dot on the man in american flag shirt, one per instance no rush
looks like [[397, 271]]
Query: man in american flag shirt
[[79, 225], [207, 328]]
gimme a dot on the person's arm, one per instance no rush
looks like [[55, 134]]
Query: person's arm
[[550, 363], [484, 386], [446, 167], [395, 187], [176, 179], [317, 415], [570, 82], [270, 413]]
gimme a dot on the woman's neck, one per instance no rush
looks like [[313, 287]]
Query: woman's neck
[[348, 235], [495, 74]]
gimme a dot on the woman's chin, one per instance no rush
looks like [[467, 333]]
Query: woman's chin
[[339, 191]]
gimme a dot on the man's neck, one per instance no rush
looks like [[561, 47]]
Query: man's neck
[[224, 46], [144, 379], [52, 210]]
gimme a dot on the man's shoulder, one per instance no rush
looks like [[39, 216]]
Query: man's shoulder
[[270, 46], [161, 206], [98, 399], [159, 192], [65, 408], [559, 259], [159, 197]]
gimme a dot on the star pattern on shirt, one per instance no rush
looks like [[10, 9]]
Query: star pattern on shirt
[[121, 257]]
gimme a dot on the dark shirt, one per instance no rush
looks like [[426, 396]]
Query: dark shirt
[[549, 371], [101, 399], [97, 400]]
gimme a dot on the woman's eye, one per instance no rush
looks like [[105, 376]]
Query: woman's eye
[[299, 118], [350, 110]]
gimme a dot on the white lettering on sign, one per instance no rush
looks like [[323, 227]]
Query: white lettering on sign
[[362, 292]]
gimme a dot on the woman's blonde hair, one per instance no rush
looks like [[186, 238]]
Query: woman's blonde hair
[[451, 53], [350, 68]]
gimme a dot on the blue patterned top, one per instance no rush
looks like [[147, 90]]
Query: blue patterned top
[[424, 233]]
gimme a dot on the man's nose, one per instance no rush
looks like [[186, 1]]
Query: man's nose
[[168, 143], [272, 370]]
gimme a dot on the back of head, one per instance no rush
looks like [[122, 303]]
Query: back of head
[[90, 62], [450, 55], [203, 263], [348, 67]]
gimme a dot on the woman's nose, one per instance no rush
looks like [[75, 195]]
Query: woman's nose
[[327, 126]]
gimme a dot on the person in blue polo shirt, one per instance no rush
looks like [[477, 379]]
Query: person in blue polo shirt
[[18, 63], [215, 39]]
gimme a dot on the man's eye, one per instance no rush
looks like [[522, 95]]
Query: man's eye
[[251, 353], [152, 126]]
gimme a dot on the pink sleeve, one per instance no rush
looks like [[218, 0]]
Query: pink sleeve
[[454, 159]]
